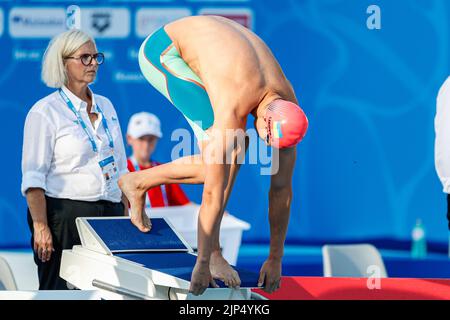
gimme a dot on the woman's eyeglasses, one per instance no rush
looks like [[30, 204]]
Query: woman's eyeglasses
[[86, 59]]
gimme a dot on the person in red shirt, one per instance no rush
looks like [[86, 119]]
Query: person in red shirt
[[143, 133]]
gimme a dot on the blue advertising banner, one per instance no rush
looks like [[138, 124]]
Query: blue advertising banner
[[366, 76]]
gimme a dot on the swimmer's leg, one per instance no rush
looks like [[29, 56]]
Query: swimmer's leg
[[167, 72], [219, 267], [164, 68], [136, 184], [190, 170]]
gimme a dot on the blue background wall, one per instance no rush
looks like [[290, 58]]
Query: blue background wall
[[366, 166]]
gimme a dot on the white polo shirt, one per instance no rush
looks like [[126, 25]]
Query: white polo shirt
[[442, 142], [57, 155]]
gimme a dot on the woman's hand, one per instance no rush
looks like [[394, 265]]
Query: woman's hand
[[43, 241]]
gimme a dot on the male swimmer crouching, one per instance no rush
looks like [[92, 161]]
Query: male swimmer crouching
[[217, 72]]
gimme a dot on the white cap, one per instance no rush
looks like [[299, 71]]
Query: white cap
[[144, 123]]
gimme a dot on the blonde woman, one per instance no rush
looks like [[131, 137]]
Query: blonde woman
[[73, 154]]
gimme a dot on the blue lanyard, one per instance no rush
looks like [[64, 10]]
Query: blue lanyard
[[83, 124]]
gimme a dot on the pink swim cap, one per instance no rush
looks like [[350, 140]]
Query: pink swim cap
[[286, 124]]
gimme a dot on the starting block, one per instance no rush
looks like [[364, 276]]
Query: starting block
[[124, 263]]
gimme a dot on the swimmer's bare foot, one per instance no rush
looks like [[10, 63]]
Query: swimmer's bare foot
[[136, 197], [221, 269]]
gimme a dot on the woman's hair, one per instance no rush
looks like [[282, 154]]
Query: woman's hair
[[61, 46]]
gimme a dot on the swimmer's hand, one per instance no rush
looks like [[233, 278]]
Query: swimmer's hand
[[270, 275], [201, 279]]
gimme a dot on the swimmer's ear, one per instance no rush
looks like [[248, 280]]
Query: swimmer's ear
[[260, 126]]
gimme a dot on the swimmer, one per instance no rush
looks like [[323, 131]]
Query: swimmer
[[216, 73]]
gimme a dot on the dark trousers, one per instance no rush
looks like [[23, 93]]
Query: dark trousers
[[61, 215]]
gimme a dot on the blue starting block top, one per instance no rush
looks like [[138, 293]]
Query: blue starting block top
[[120, 235], [161, 249]]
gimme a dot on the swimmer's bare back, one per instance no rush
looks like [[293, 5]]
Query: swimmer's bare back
[[237, 68]]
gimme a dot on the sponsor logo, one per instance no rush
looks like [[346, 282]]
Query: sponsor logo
[[101, 21], [27, 55], [243, 16], [128, 77], [36, 22], [149, 20], [106, 22]]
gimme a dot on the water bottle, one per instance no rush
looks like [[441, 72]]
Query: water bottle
[[419, 243]]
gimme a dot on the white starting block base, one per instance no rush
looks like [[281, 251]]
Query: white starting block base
[[95, 266], [120, 279]]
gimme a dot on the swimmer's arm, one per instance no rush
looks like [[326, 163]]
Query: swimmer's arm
[[280, 198]]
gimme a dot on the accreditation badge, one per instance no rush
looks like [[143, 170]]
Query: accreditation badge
[[109, 171]]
